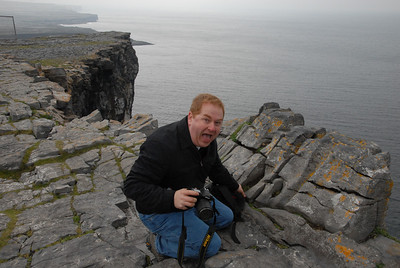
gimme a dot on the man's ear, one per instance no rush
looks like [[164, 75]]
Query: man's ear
[[190, 118]]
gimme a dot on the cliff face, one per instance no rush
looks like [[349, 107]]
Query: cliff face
[[105, 82], [97, 70]]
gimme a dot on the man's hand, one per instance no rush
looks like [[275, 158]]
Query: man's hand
[[183, 199], [240, 190]]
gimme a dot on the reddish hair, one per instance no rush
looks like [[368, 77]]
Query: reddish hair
[[200, 99]]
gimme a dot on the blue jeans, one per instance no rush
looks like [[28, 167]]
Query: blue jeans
[[168, 228]]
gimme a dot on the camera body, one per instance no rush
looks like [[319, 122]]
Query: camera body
[[203, 204]]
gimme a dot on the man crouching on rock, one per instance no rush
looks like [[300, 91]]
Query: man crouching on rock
[[174, 159]]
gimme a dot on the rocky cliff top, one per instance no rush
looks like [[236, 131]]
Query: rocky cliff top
[[317, 198], [95, 71], [62, 49]]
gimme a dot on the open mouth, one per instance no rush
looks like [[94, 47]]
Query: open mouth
[[207, 137]]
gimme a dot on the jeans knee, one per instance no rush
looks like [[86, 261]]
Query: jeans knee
[[214, 246], [225, 220]]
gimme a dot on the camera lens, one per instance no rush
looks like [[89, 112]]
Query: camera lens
[[204, 209]]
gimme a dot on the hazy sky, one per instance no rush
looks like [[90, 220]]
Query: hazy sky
[[234, 6]]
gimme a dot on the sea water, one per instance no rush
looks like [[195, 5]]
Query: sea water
[[339, 72]]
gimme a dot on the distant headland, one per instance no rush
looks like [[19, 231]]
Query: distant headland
[[39, 19]]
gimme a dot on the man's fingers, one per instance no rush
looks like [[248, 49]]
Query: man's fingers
[[184, 199]]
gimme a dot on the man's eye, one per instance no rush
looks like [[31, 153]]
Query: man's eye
[[218, 124], [206, 120]]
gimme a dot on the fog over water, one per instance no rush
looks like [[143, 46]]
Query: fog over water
[[233, 6]]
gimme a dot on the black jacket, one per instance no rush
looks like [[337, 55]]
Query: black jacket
[[169, 161]]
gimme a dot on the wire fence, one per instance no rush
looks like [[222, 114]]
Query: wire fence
[[7, 27]]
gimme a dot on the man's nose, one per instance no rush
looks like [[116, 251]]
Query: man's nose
[[212, 126]]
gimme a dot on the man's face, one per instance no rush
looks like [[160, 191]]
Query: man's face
[[205, 126]]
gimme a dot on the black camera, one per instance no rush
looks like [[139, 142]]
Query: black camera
[[203, 204]]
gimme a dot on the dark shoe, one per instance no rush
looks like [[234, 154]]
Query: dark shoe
[[151, 245]]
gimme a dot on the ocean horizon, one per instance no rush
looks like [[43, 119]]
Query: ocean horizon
[[340, 72]]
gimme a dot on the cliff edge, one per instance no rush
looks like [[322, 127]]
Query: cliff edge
[[95, 71]]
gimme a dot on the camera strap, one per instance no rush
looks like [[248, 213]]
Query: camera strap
[[182, 238], [204, 245]]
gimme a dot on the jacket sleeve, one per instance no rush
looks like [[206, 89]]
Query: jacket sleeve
[[144, 182]]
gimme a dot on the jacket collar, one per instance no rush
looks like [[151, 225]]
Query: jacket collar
[[185, 140], [183, 134]]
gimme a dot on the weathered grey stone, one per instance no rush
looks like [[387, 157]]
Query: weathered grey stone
[[268, 106], [294, 174], [389, 249], [32, 102], [24, 125], [12, 152], [42, 127], [63, 186], [335, 211], [7, 129], [78, 165], [373, 164], [61, 99], [48, 223], [249, 138], [19, 110], [85, 142], [100, 209], [93, 117], [225, 147], [10, 251], [15, 263], [45, 97], [336, 249], [138, 123], [247, 258], [231, 126], [23, 199], [46, 149], [253, 170], [278, 158], [25, 138], [335, 174], [9, 185], [271, 145], [84, 183], [269, 121], [3, 120], [102, 125], [109, 153], [39, 78], [45, 173], [269, 191], [77, 135], [108, 173], [89, 251], [127, 163], [4, 100], [236, 159], [130, 139], [255, 191], [4, 219], [57, 75]]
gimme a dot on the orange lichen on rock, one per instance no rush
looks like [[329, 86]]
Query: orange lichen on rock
[[347, 252]]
